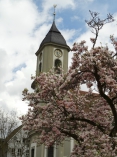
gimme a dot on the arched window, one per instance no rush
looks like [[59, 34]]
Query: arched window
[[57, 65], [40, 67], [32, 152]]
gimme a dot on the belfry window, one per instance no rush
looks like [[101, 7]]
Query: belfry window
[[57, 65]]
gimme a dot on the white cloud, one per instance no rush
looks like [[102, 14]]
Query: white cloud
[[59, 20], [17, 48], [22, 28], [104, 35], [75, 18], [47, 4], [68, 33]]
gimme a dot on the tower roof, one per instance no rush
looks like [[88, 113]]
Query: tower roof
[[53, 36]]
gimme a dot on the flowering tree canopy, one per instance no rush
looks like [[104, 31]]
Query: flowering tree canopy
[[59, 109]]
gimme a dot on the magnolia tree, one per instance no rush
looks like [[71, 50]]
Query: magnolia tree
[[59, 109]]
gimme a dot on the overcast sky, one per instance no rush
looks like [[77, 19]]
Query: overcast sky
[[24, 24]]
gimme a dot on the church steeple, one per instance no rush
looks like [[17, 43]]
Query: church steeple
[[52, 52], [53, 36]]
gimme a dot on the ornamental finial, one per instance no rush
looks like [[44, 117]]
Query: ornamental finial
[[54, 11]]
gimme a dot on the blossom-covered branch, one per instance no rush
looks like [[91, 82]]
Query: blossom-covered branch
[[59, 109]]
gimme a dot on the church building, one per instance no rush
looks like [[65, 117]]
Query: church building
[[52, 53]]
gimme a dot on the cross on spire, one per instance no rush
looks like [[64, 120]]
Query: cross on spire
[[54, 11]]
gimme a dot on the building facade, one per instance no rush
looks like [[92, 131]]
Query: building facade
[[17, 143]]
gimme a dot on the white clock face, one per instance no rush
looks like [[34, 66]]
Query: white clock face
[[58, 53]]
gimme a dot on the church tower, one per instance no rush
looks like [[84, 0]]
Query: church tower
[[52, 52]]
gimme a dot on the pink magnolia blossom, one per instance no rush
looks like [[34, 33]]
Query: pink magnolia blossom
[[60, 109]]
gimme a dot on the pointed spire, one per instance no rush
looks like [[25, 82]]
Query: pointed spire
[[53, 36], [54, 14], [54, 28]]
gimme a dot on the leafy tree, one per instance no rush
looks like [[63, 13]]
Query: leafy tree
[[8, 122], [89, 118]]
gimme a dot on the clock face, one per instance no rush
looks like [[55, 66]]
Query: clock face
[[58, 53]]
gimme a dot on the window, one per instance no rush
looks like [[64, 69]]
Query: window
[[19, 152], [27, 153], [40, 66], [40, 62], [50, 151], [18, 140], [32, 152], [13, 151], [24, 140], [57, 65]]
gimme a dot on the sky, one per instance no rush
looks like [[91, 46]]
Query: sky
[[24, 24]]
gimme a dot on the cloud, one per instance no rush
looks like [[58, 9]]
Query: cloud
[[23, 26], [75, 18], [104, 34], [69, 33], [17, 49], [47, 4], [22, 29]]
